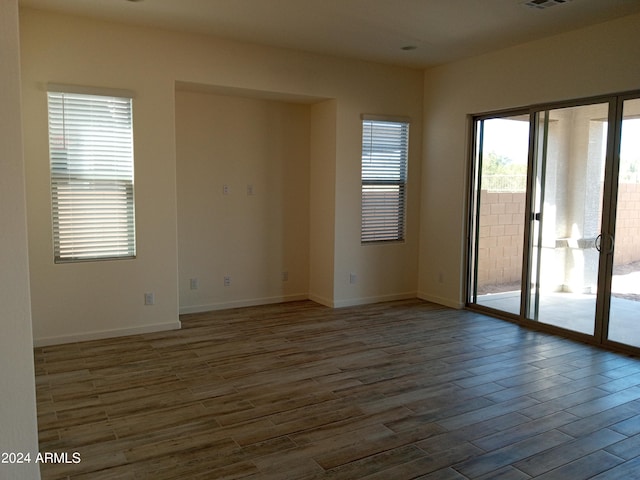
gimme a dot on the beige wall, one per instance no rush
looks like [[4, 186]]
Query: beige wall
[[395, 262], [106, 298], [587, 62], [17, 386], [239, 142], [88, 300], [322, 201]]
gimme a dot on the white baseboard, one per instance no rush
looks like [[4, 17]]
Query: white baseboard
[[98, 335], [242, 303], [160, 327], [352, 302], [321, 300], [447, 302]]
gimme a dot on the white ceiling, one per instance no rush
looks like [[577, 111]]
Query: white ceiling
[[442, 30]]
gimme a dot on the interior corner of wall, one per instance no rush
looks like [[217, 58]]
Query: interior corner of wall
[[447, 302]]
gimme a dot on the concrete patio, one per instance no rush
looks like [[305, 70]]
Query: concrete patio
[[576, 312]]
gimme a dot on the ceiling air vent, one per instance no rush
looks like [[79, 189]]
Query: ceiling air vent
[[541, 4]]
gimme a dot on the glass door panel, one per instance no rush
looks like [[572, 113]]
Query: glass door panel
[[624, 313], [567, 216], [501, 160]]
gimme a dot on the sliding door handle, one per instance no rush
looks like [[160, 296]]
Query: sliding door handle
[[598, 243], [611, 244]]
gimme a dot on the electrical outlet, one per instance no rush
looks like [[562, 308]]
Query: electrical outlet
[[226, 189], [194, 284], [149, 298], [353, 278], [227, 281], [285, 276], [249, 189]]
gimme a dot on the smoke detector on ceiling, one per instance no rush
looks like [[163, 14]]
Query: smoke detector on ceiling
[[541, 4]]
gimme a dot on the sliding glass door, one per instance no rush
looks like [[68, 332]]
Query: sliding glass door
[[567, 215], [624, 308], [501, 175], [555, 218]]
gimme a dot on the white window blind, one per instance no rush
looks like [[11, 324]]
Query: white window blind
[[91, 158], [385, 146]]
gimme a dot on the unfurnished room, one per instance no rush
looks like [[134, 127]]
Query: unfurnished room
[[307, 239]]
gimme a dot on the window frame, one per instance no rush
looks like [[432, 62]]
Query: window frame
[[92, 181], [383, 220]]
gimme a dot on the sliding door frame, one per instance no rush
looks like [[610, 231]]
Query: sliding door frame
[[615, 128], [473, 180], [607, 224]]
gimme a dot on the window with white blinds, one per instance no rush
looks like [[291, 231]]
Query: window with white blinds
[[385, 146], [91, 158]]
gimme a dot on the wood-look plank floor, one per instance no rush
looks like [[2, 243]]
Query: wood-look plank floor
[[398, 390]]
